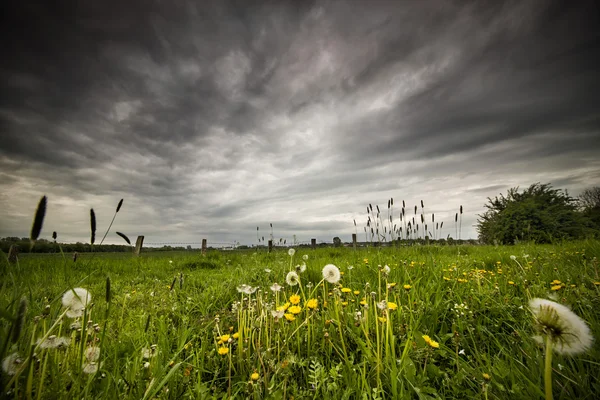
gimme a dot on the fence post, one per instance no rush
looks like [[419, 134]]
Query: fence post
[[138, 245], [203, 246], [270, 245], [354, 240], [313, 243], [13, 254]]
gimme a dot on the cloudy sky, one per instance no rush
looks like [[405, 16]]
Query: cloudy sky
[[212, 118]]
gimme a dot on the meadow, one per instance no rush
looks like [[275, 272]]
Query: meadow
[[417, 322]]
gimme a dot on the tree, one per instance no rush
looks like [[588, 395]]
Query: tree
[[589, 204], [589, 198], [337, 242], [539, 213]]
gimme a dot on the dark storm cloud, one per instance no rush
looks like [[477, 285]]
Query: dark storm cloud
[[297, 112]]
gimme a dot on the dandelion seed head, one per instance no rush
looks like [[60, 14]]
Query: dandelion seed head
[[569, 333], [90, 368], [331, 273], [276, 287], [292, 278], [75, 300], [11, 363], [291, 252], [305, 257], [92, 353]]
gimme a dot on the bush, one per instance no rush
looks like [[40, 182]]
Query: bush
[[540, 214]]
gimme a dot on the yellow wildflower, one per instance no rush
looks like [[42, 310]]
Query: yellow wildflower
[[294, 299], [236, 335], [431, 342], [295, 309], [283, 307], [254, 376], [224, 338], [312, 304], [556, 287], [223, 350], [346, 290], [511, 283], [407, 287], [382, 319], [555, 282], [392, 306], [357, 292], [363, 302], [344, 303], [289, 317], [487, 377], [366, 260]]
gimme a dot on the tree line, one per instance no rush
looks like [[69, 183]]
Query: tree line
[[540, 214]]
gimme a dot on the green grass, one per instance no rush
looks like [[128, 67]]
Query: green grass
[[472, 301]]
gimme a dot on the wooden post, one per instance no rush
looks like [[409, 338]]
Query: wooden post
[[313, 243], [13, 254], [354, 240], [138, 245], [203, 246], [270, 245]]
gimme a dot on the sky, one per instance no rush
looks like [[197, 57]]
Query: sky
[[213, 118]]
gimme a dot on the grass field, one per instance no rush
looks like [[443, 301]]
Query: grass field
[[444, 322]]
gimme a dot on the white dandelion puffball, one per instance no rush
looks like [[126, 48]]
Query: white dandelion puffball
[[386, 269], [569, 333], [513, 258], [92, 353], [75, 300], [11, 363], [291, 252], [246, 289], [305, 257], [276, 287], [292, 278], [331, 273]]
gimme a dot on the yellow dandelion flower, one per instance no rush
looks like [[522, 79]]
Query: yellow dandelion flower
[[487, 377], [446, 278], [289, 317], [573, 285], [357, 292], [556, 287], [363, 302], [346, 290], [391, 285], [407, 287], [382, 319], [223, 350], [597, 283], [254, 376], [283, 307], [236, 335], [225, 338], [366, 260], [511, 283], [555, 282], [431, 342], [294, 299], [344, 303], [295, 309], [312, 304], [462, 280], [392, 306]]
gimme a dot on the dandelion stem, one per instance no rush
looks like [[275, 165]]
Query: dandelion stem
[[548, 369]]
